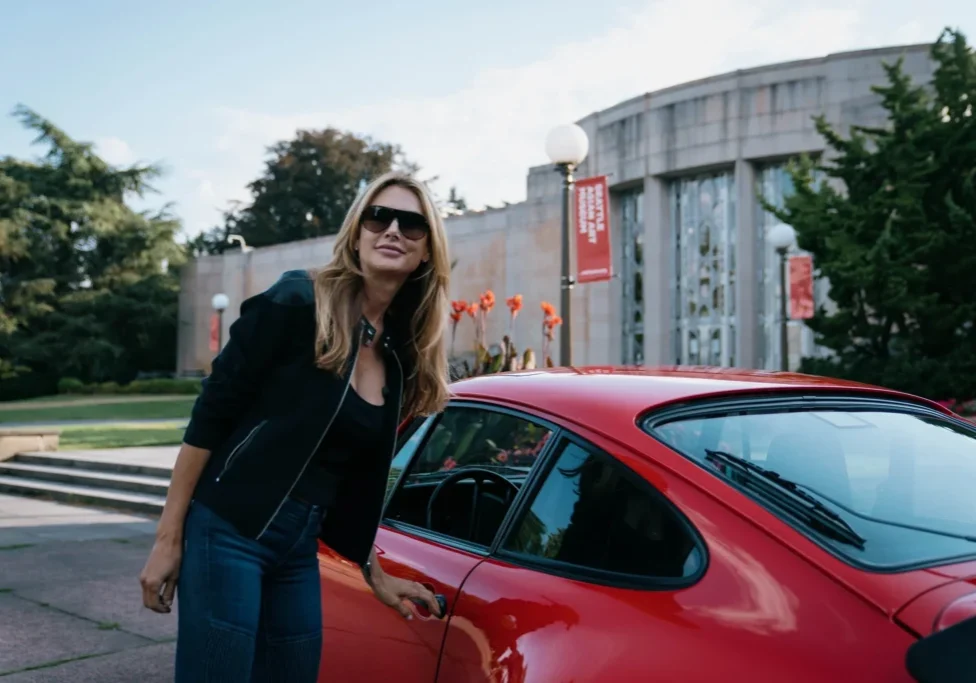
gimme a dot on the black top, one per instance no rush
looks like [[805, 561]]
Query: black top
[[355, 439], [265, 411]]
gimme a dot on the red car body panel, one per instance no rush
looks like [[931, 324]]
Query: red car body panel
[[923, 615], [377, 640], [772, 605]]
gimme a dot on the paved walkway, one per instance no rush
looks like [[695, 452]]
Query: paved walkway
[[70, 599]]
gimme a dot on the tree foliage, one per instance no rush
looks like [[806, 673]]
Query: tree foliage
[[308, 184], [894, 232], [84, 285], [306, 187]]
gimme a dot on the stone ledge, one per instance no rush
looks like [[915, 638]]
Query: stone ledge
[[26, 440]]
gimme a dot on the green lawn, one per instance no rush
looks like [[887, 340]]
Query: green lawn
[[77, 437], [140, 409]]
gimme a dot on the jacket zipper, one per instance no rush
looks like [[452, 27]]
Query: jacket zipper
[[345, 390], [396, 424], [239, 448]]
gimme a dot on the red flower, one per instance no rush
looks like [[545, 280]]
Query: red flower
[[487, 301], [514, 304], [449, 464]]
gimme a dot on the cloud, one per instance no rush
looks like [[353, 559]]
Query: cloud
[[115, 151], [484, 136]]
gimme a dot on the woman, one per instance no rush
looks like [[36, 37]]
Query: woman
[[291, 440]]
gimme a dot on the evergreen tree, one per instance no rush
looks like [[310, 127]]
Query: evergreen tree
[[894, 232], [85, 286]]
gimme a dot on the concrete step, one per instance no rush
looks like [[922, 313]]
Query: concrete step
[[141, 503], [91, 464], [76, 476]]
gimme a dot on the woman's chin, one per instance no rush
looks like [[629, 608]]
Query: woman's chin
[[387, 268]]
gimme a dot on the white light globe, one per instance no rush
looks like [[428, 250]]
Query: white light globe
[[220, 302], [781, 236], [567, 144]]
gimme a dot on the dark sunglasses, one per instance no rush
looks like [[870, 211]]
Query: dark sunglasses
[[412, 225]]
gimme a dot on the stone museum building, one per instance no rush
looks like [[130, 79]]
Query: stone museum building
[[695, 282]]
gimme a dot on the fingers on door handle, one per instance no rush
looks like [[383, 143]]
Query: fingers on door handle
[[441, 602]]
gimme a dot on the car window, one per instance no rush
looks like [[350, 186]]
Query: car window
[[408, 441], [594, 513], [475, 440], [901, 480]]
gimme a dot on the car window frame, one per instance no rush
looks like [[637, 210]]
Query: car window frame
[[592, 576], [429, 424], [745, 404], [422, 424]]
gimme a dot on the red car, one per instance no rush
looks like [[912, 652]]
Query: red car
[[680, 525]]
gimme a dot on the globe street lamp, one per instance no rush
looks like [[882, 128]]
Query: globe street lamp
[[566, 146], [237, 239], [220, 302], [781, 237]]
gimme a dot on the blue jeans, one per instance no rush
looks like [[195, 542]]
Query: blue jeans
[[250, 610]]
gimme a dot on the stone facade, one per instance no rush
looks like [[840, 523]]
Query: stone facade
[[695, 282]]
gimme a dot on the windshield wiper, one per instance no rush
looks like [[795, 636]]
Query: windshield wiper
[[888, 522], [789, 495]]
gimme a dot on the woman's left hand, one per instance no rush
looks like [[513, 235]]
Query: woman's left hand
[[392, 592]]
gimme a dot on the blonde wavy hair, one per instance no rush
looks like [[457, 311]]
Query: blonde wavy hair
[[423, 297]]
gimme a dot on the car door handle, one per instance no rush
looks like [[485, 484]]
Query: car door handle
[[441, 602]]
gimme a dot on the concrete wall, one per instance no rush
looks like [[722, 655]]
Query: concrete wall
[[737, 121]]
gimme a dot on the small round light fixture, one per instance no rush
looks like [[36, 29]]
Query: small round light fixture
[[781, 236], [220, 302], [567, 144]]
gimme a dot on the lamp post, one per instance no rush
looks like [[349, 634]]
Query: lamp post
[[220, 302], [237, 239], [781, 236], [566, 146]]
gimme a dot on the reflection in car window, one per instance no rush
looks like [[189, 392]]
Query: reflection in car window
[[872, 467], [593, 512], [467, 438], [407, 443], [478, 438]]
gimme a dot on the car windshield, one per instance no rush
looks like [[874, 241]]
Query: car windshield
[[902, 481]]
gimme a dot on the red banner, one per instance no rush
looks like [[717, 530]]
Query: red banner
[[801, 288], [593, 230], [214, 332]]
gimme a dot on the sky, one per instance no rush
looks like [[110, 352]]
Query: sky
[[468, 90]]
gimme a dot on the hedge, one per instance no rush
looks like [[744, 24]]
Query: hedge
[[70, 385]]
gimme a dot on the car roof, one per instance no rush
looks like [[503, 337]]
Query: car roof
[[574, 392]]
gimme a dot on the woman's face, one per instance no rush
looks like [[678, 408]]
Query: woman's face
[[394, 236]]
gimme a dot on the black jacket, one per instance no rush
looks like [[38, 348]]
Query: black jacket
[[265, 409]]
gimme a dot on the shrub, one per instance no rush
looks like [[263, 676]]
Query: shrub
[[70, 385], [163, 386]]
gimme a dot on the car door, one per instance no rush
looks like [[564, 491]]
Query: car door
[[436, 545], [567, 592]]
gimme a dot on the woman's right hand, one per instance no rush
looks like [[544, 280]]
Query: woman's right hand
[[159, 576]]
